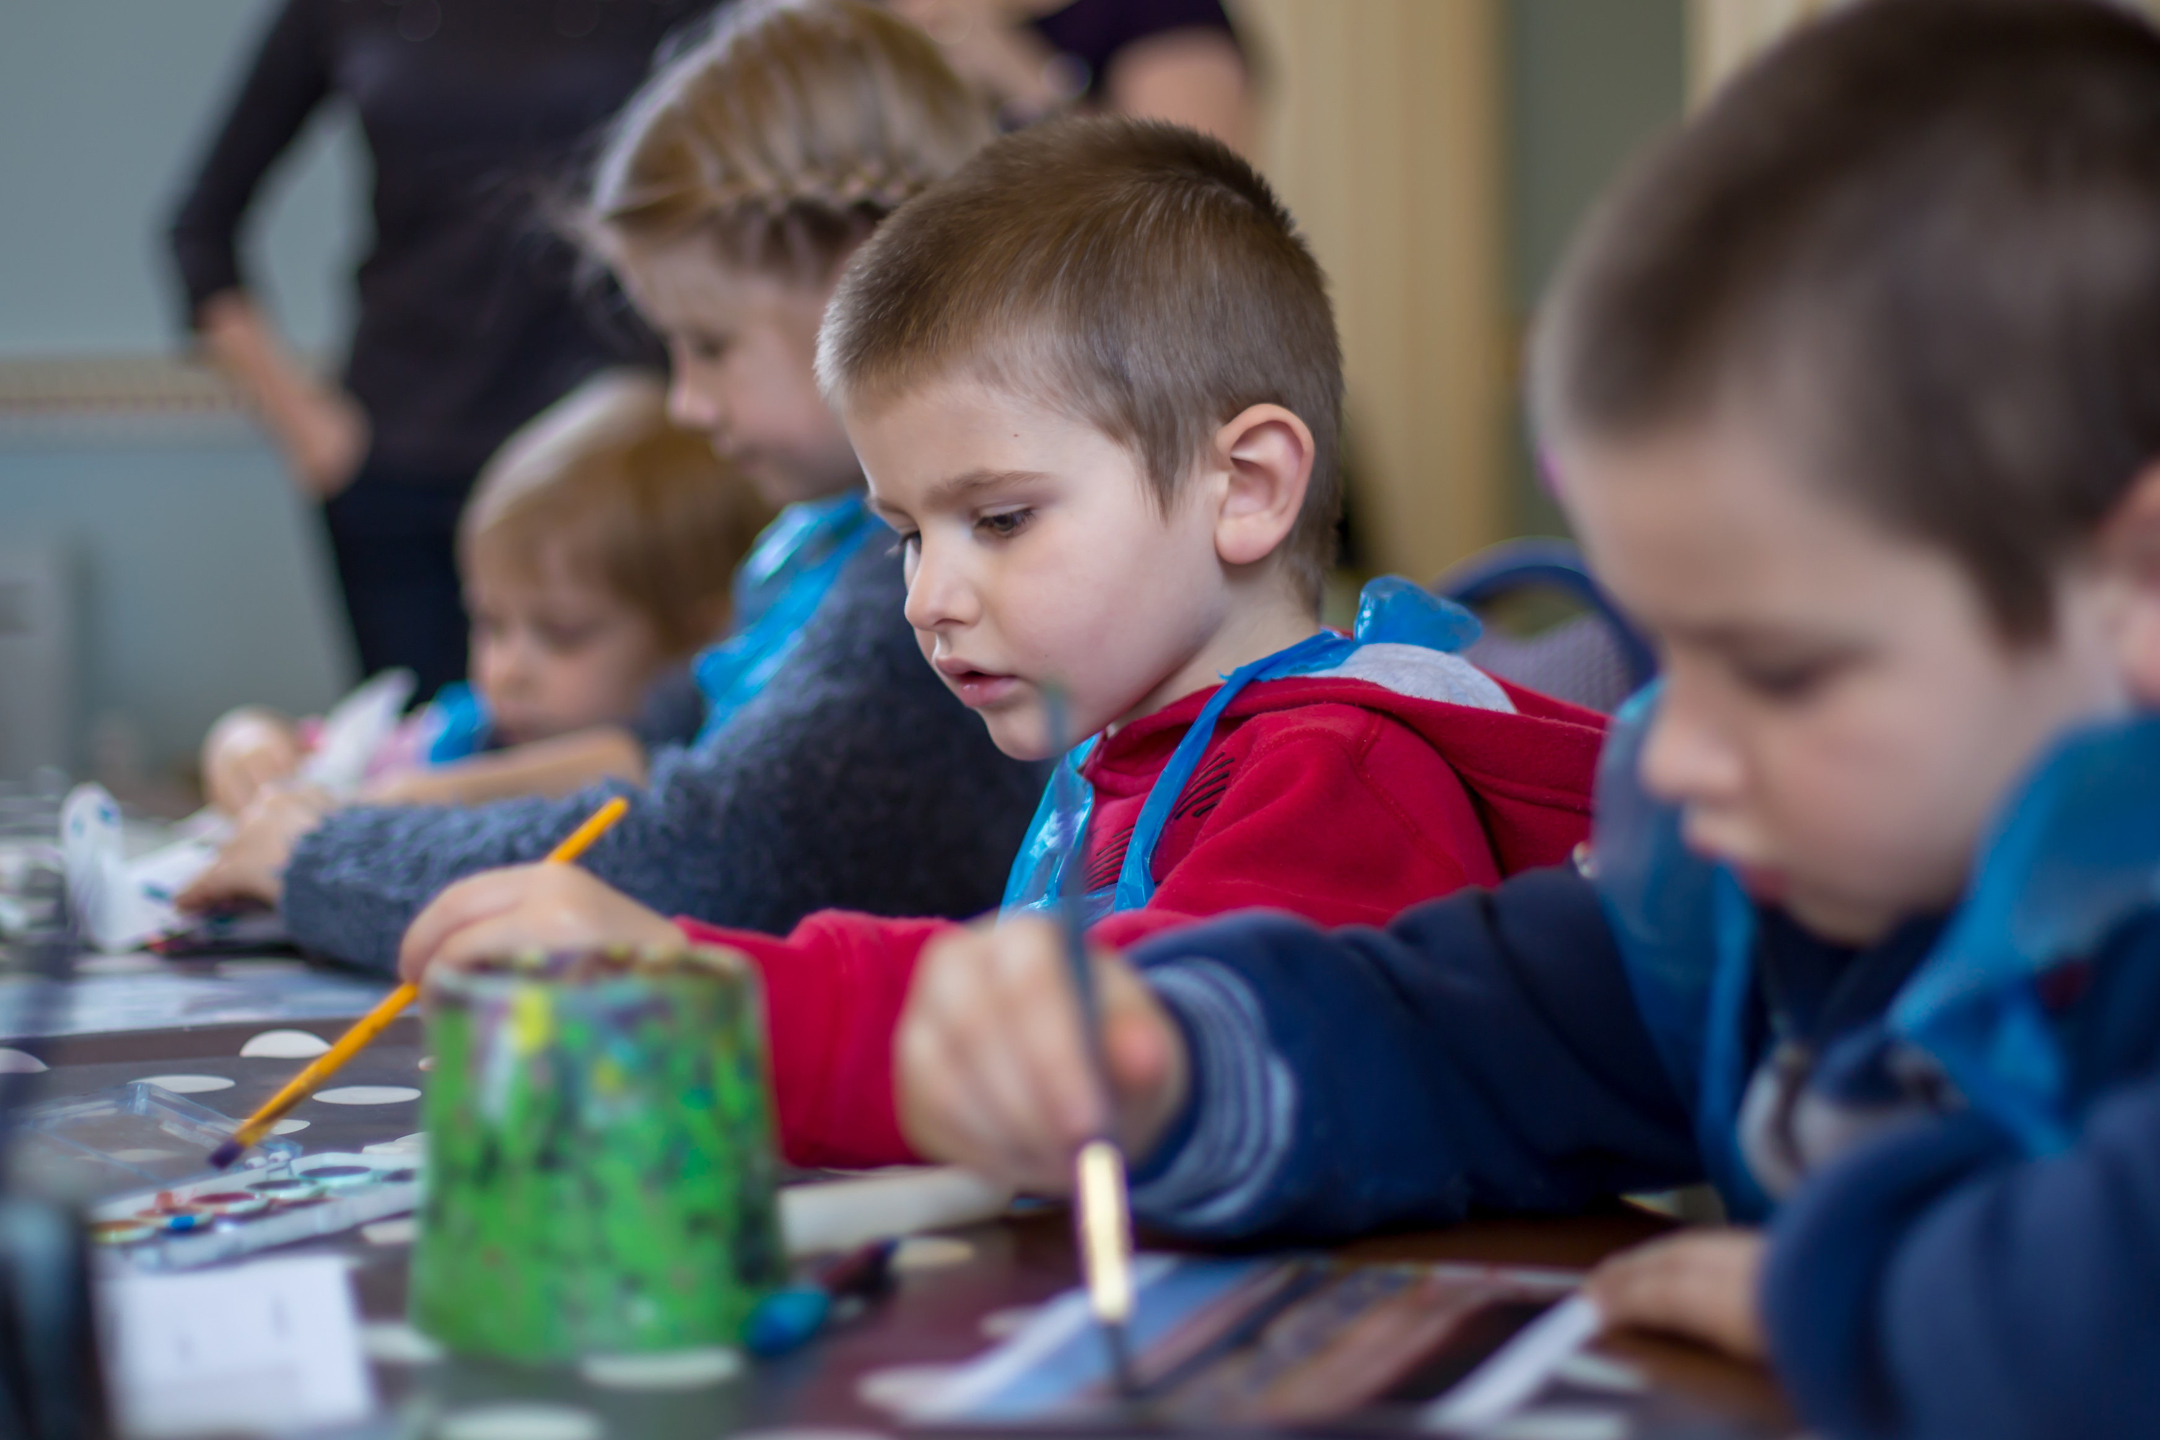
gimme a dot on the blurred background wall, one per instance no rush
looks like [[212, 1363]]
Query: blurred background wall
[[1438, 152], [142, 523]]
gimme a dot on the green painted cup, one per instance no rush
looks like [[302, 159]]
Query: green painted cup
[[601, 1171]]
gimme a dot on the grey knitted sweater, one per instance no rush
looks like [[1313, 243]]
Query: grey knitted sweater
[[854, 781]]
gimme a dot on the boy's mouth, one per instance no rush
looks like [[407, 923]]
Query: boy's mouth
[[975, 687]]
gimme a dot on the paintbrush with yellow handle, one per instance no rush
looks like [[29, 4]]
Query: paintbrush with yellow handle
[[353, 1041]]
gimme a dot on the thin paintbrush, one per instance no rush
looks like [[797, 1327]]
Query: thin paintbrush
[[368, 1026], [1099, 1190]]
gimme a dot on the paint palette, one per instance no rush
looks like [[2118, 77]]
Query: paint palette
[[244, 1211], [123, 1139]]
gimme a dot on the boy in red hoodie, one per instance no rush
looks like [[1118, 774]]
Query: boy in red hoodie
[[1095, 386]]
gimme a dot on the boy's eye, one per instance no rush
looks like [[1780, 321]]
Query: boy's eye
[[564, 637], [1783, 682], [1004, 524], [706, 349]]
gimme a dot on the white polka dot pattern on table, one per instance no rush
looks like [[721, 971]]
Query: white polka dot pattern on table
[[19, 1062], [391, 1232], [898, 1389], [284, 1045], [667, 1370], [520, 1422], [393, 1342], [366, 1094], [288, 1126], [414, 1144], [186, 1084]]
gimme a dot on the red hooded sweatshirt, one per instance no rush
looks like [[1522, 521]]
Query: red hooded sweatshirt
[[1337, 799]]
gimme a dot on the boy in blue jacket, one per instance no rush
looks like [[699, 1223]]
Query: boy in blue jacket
[[1853, 392]]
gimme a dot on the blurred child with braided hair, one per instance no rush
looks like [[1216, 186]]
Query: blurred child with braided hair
[[834, 768]]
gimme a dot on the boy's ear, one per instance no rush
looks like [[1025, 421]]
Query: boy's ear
[[2130, 549], [1266, 453]]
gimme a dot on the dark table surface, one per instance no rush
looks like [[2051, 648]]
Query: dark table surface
[[936, 1316]]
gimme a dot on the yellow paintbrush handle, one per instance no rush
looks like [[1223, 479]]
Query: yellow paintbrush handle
[[576, 843], [326, 1064]]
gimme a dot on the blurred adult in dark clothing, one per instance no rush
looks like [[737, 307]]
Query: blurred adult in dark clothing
[[467, 326], [1162, 59]]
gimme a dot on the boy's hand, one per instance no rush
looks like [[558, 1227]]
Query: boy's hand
[[989, 1066], [252, 864], [1704, 1284], [528, 907], [245, 751]]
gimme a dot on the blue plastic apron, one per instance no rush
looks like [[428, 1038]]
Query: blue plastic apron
[[461, 723], [2077, 854], [779, 587], [1391, 610]]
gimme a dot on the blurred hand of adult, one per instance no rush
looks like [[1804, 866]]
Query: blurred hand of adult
[[321, 431]]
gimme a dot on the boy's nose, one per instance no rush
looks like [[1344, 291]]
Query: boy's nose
[[691, 405], [504, 668], [938, 595], [1686, 759]]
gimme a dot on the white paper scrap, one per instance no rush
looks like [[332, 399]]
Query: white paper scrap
[[1517, 1371], [283, 1354], [841, 1214]]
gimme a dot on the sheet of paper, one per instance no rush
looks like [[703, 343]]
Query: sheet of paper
[[283, 1354]]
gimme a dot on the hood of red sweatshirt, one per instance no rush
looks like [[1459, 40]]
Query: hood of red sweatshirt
[[1530, 771]]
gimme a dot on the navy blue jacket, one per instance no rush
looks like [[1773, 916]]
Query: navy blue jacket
[[1485, 1052]]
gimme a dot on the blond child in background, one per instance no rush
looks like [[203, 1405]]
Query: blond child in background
[[596, 553], [834, 768]]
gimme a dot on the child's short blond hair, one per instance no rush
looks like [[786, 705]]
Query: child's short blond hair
[[1137, 275], [603, 480]]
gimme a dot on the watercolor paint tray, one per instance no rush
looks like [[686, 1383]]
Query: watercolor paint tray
[[126, 1138], [1279, 1343], [241, 1212]]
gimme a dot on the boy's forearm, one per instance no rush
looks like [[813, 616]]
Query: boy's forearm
[[552, 768], [1481, 1050]]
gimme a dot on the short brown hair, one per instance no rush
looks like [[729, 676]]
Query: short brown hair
[[643, 507], [785, 135], [1138, 274], [1927, 233]]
